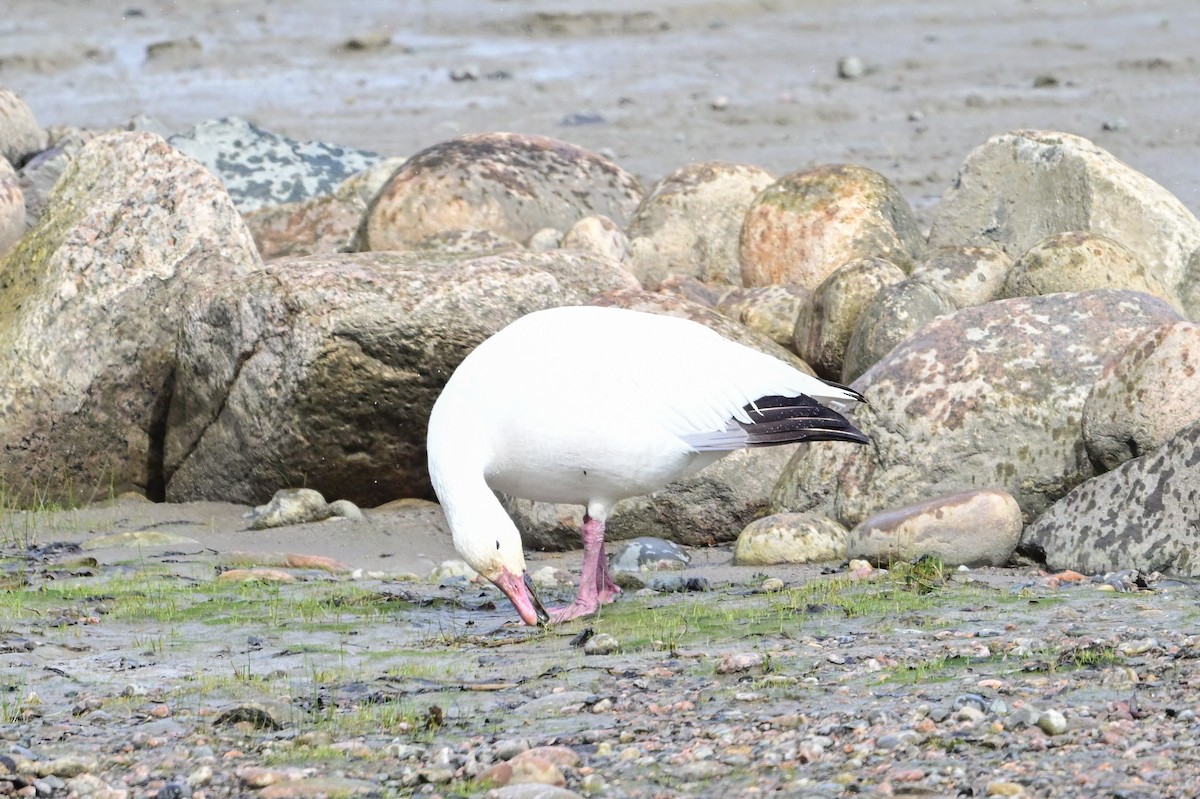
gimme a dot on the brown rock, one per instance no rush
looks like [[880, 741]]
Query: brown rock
[[973, 528], [689, 224], [511, 184], [807, 224]]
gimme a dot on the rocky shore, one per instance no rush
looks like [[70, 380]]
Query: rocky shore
[[993, 598]]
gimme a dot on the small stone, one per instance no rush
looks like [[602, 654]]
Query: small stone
[[1005, 788], [453, 568], [772, 584], [545, 239], [650, 554], [735, 662], [601, 644], [1052, 722], [290, 506], [790, 538], [345, 509], [850, 67], [1116, 124], [719, 103]]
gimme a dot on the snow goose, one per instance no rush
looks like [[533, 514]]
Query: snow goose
[[590, 405]]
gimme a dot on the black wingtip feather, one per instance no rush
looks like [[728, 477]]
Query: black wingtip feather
[[778, 420]]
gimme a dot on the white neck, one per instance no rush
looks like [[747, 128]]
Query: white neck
[[483, 532]]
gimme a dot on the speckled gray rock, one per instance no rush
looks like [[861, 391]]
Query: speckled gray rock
[[290, 506], [1019, 187], [690, 221], [790, 538], [1141, 515], [12, 207], [511, 184], [990, 396], [260, 168], [39, 174], [89, 312], [649, 554], [826, 323], [467, 241], [1081, 260], [1145, 395], [322, 224], [769, 310], [20, 134], [320, 370], [598, 234], [965, 275], [806, 224], [892, 315], [972, 528]]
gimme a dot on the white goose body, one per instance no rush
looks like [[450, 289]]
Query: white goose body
[[591, 405]]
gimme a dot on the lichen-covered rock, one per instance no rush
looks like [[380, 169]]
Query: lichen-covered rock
[[90, 301], [597, 234], [807, 224], [965, 275], [1020, 187], [689, 223], [20, 134], [769, 310], [12, 207], [972, 528], [322, 224], [826, 323], [1078, 261], [1141, 515], [892, 315], [511, 184], [322, 370], [260, 168], [987, 397], [1145, 395], [790, 538]]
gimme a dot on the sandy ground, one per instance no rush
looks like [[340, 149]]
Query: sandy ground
[[940, 76]]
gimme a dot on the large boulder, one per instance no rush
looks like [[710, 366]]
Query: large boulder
[[90, 301], [1145, 395], [508, 183], [1018, 188], [690, 221], [987, 397], [892, 315], [1080, 260], [807, 224], [825, 324], [965, 275], [1141, 515], [321, 371]]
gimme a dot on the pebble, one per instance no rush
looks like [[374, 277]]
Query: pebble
[[601, 644], [734, 663], [648, 553], [1052, 722], [850, 67], [772, 584]]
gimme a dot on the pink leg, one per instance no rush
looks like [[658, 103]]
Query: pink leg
[[595, 585]]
